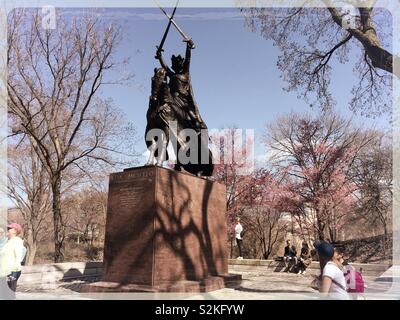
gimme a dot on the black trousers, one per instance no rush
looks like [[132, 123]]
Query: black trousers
[[239, 244]]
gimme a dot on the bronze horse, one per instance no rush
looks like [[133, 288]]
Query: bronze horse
[[162, 112]]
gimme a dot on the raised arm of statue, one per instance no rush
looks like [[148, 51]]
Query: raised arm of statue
[[186, 64], [163, 64]]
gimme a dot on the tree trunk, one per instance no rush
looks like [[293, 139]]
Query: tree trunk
[[331, 234], [264, 249], [58, 226], [321, 229], [30, 244], [231, 249], [380, 58], [385, 241], [30, 256]]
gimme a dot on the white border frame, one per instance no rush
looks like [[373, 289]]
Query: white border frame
[[392, 6]]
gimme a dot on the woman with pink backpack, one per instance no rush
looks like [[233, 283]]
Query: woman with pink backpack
[[335, 281], [332, 281]]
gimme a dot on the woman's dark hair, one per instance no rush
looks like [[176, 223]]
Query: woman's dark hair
[[322, 263], [339, 247]]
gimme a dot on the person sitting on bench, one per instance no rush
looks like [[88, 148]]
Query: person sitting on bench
[[304, 259], [289, 258]]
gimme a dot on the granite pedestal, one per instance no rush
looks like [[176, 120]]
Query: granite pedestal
[[165, 231]]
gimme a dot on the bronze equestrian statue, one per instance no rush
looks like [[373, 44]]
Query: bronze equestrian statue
[[173, 100]]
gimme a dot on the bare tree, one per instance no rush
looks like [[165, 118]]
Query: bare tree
[[268, 227], [87, 216], [373, 175], [310, 39], [29, 188], [53, 84]]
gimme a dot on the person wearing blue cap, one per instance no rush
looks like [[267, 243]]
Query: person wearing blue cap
[[333, 282]]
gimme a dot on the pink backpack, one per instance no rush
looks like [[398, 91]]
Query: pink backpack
[[355, 281]]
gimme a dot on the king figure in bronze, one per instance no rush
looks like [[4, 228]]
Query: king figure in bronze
[[172, 103]]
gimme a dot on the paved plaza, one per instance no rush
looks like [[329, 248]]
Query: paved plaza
[[258, 284]]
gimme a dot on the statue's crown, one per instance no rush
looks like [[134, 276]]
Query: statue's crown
[[177, 58]]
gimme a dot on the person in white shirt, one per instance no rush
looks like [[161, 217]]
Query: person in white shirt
[[333, 281], [238, 231], [11, 256]]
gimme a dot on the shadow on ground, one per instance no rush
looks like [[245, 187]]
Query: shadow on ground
[[271, 291]]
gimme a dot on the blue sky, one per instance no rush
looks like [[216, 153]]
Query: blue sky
[[234, 74]]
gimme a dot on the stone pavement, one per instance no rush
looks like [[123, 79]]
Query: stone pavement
[[258, 284]]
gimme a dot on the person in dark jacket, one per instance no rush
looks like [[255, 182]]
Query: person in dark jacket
[[290, 256], [305, 258]]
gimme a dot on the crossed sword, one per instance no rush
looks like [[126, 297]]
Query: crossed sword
[[172, 21]]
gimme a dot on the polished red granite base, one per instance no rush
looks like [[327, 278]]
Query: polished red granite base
[[165, 231]]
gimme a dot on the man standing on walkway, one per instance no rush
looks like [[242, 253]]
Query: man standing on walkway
[[238, 236]]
